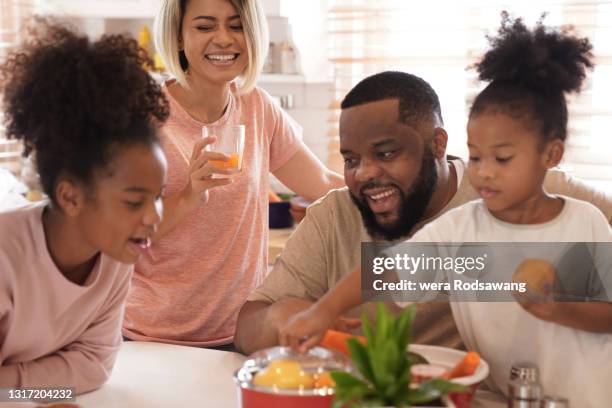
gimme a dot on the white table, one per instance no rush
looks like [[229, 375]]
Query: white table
[[486, 399], [150, 375]]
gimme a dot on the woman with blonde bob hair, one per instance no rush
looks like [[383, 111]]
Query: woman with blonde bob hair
[[255, 28], [210, 250]]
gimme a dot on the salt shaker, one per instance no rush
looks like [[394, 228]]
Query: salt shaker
[[524, 387], [524, 371]]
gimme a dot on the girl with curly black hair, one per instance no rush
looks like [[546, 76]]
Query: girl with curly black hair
[[89, 113], [516, 132]]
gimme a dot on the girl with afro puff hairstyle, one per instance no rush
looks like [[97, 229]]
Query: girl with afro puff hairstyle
[[89, 113], [516, 132]]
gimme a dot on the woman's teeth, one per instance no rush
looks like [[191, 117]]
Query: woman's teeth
[[224, 57]]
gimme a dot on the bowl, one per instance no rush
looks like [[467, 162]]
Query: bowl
[[321, 359], [448, 358], [279, 216], [316, 360]]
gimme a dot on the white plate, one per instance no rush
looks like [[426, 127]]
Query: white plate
[[448, 358]]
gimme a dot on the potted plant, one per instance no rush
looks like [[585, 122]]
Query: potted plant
[[384, 366]]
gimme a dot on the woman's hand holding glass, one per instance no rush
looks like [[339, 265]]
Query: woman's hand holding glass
[[229, 141], [201, 172]]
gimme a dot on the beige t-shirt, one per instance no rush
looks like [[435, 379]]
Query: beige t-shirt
[[327, 246]]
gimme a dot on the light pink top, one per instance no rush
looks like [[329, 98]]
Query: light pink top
[[190, 287], [53, 332]]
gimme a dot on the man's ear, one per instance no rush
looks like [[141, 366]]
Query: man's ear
[[553, 153], [70, 197], [439, 142]]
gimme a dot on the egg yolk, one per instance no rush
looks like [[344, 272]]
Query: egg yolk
[[284, 374]]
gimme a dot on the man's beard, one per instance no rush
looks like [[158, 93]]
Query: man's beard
[[411, 208]]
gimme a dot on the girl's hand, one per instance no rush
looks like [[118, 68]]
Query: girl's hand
[[540, 279], [546, 310], [306, 329], [201, 172]]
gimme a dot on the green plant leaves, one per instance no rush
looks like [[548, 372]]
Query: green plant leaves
[[384, 366], [350, 390], [431, 390], [415, 358], [420, 395], [367, 328], [359, 356], [383, 325], [444, 386], [403, 328], [345, 380]]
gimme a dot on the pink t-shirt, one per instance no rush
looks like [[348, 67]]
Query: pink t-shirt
[[54, 333], [189, 288]]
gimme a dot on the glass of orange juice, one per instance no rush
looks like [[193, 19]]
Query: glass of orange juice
[[230, 141]]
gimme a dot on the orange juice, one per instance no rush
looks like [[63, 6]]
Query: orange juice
[[232, 163]]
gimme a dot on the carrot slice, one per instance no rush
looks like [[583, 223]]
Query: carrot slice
[[336, 340], [467, 366], [273, 197]]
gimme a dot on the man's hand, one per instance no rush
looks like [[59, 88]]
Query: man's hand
[[284, 309], [306, 329], [259, 322]]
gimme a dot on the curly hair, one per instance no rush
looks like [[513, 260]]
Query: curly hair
[[530, 71], [418, 101], [74, 102]]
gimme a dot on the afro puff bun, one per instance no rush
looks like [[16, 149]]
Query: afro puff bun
[[530, 71], [543, 58]]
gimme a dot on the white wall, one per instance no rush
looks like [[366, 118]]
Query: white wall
[[308, 22], [314, 93]]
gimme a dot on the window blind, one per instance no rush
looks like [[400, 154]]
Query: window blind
[[438, 40]]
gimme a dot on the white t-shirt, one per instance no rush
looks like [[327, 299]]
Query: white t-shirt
[[572, 363]]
